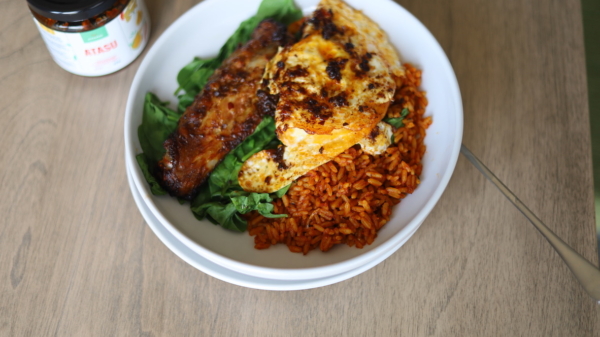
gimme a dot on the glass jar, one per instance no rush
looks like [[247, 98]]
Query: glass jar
[[92, 37]]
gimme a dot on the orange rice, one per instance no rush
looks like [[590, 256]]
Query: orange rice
[[347, 200]]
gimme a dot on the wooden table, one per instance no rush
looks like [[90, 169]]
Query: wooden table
[[77, 259]]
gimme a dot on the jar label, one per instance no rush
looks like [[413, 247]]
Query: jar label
[[103, 50], [94, 35]]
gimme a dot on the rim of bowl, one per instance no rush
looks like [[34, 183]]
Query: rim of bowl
[[303, 273], [238, 278]]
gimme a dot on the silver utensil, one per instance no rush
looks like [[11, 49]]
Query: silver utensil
[[586, 273]]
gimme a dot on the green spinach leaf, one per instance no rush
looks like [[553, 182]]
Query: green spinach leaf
[[224, 177], [225, 215], [145, 165], [282, 191], [222, 188], [260, 202], [398, 121], [158, 122]]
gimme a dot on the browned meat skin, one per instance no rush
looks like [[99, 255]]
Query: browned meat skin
[[222, 115]]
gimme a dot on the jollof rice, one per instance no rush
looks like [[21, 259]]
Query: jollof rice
[[350, 198]]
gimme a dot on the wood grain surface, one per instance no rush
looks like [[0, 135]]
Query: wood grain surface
[[77, 258]]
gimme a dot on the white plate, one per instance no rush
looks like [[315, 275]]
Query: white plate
[[224, 274], [200, 32]]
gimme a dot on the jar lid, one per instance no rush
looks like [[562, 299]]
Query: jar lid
[[70, 10]]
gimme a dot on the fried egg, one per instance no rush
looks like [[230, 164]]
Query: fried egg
[[334, 87], [378, 140]]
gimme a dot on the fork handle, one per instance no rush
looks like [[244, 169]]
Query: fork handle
[[586, 273]]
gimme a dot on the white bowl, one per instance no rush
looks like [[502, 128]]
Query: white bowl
[[201, 32]]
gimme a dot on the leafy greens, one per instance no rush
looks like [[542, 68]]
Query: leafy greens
[[221, 199], [158, 122], [397, 122], [224, 177]]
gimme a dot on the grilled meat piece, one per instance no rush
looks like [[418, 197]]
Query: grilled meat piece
[[222, 115]]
